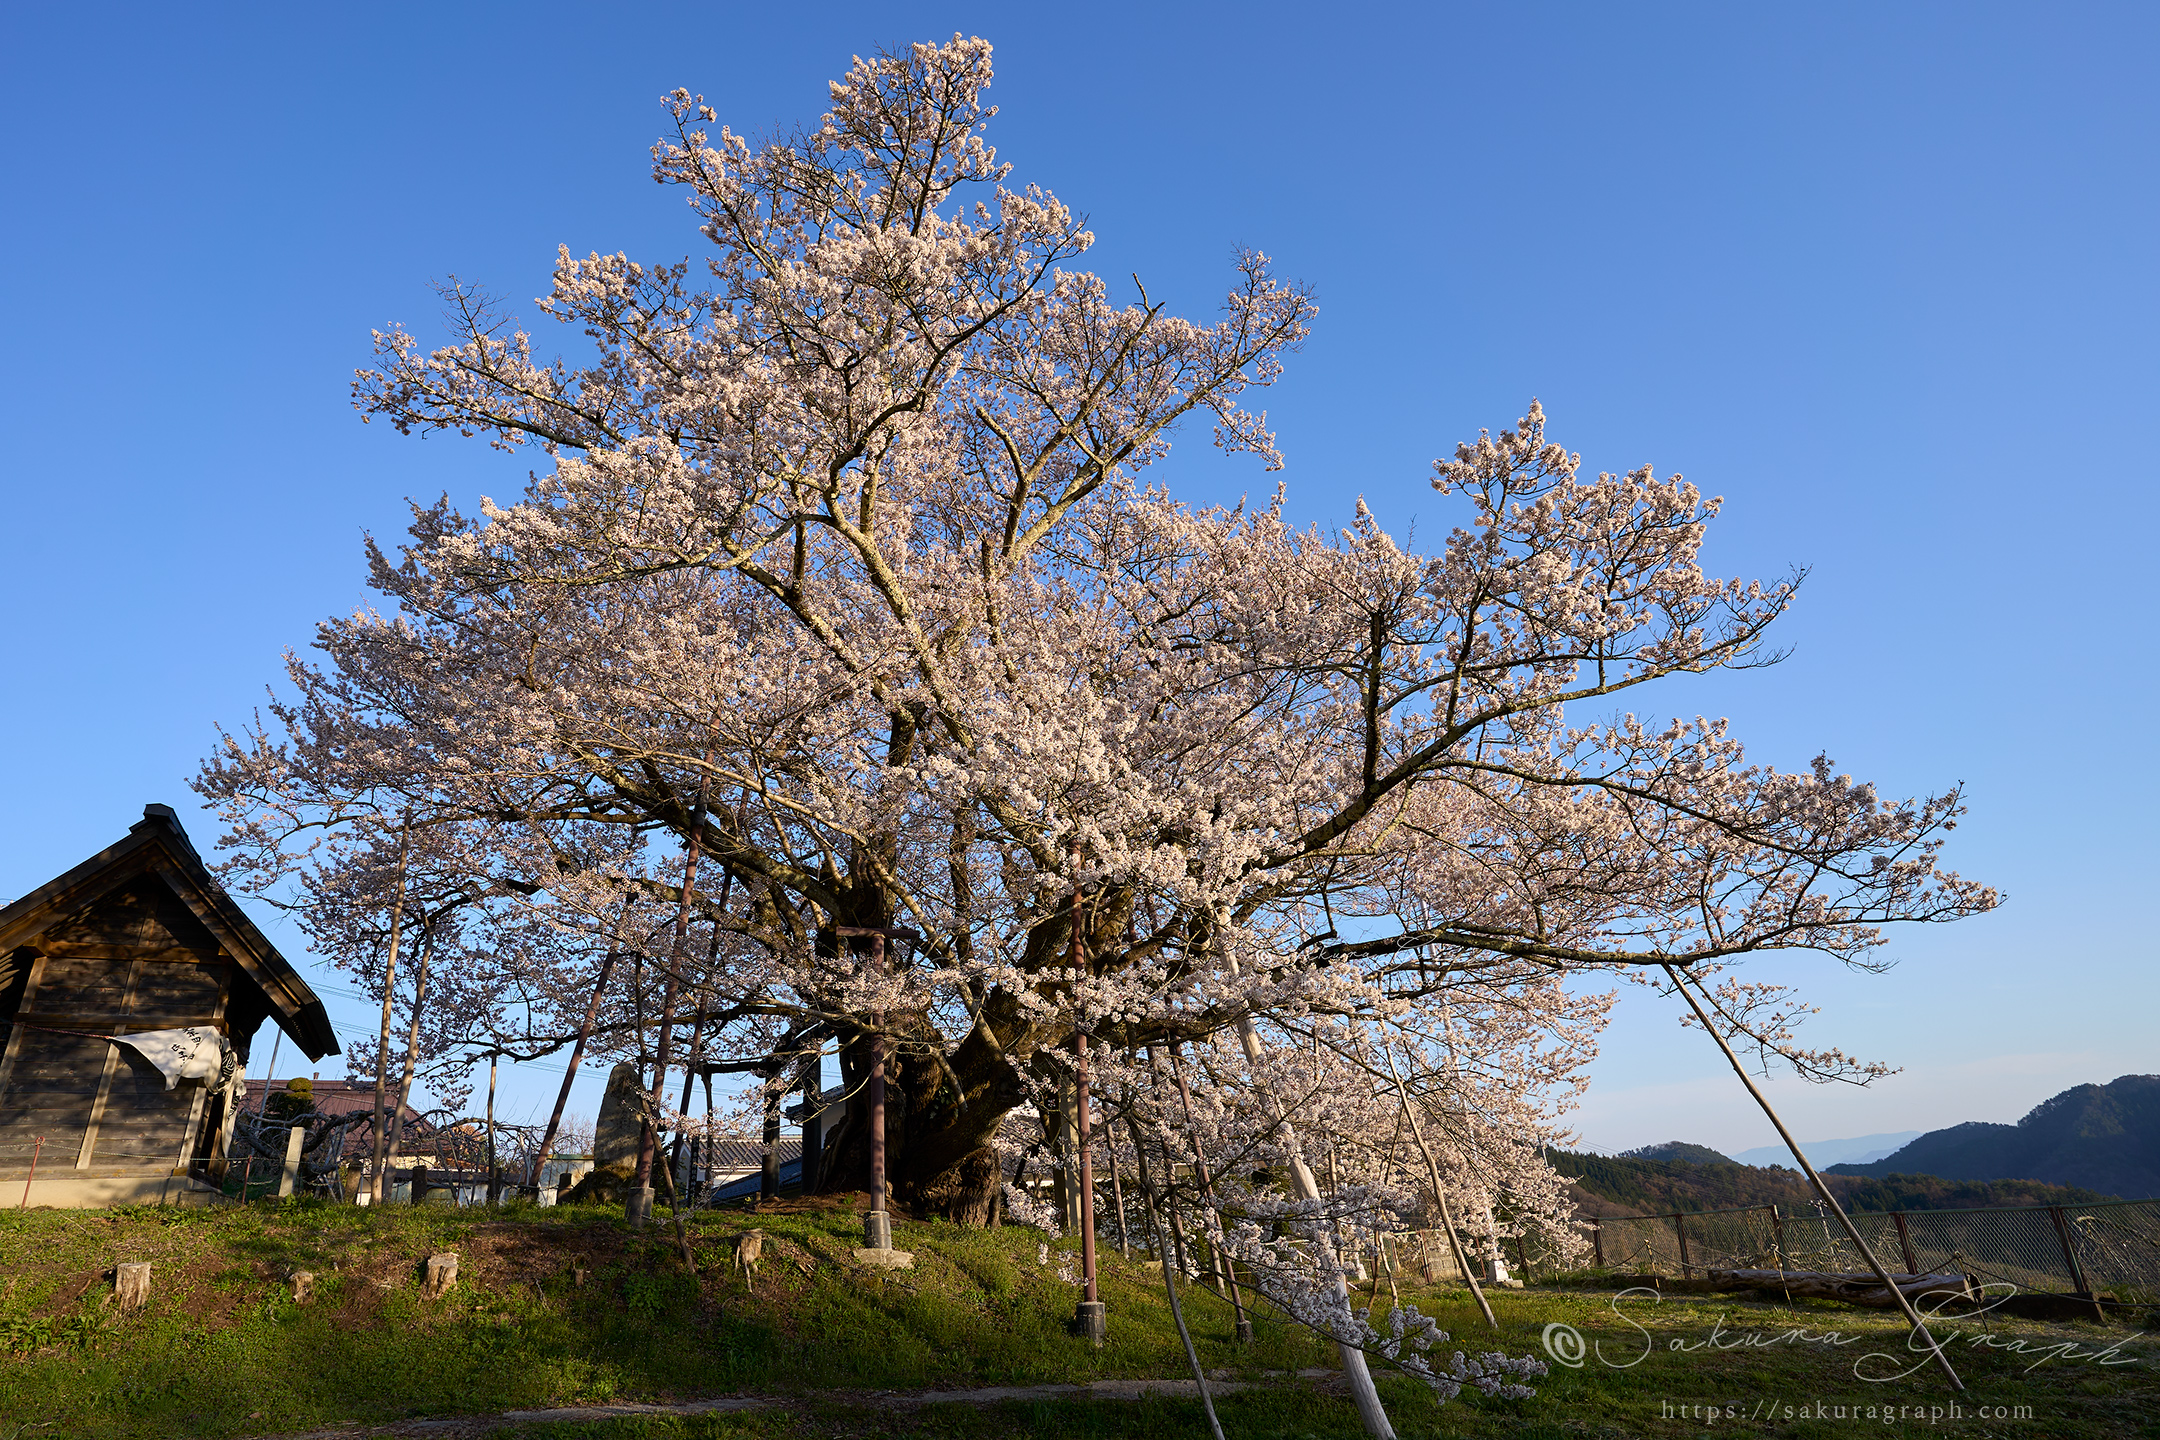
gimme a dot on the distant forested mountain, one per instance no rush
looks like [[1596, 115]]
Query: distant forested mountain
[[2101, 1137], [1621, 1185], [1660, 1187], [1679, 1150], [1854, 1150]]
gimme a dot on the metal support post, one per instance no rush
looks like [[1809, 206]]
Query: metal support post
[[1093, 1315], [877, 1225]]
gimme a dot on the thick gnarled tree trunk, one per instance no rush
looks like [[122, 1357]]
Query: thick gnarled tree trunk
[[938, 1136]]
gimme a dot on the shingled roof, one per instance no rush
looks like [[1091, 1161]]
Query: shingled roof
[[157, 846]]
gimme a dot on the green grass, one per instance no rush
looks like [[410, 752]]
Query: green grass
[[222, 1349]]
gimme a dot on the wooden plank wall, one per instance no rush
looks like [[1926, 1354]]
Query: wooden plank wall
[[134, 960], [51, 1083]]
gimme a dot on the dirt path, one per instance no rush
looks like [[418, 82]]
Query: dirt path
[[462, 1426]]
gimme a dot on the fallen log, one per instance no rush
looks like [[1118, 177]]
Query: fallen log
[[1864, 1288]]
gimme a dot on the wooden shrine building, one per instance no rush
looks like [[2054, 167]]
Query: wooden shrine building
[[140, 937]]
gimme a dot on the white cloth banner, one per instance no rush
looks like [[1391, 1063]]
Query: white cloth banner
[[194, 1052]]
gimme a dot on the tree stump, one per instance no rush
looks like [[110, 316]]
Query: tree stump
[[303, 1286], [441, 1274], [131, 1285]]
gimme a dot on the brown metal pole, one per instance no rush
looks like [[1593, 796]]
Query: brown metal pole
[[1597, 1241], [877, 1092], [1679, 1225], [1090, 1314], [35, 1151], [1087, 1174]]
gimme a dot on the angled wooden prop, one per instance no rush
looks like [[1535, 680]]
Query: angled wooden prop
[[1913, 1316]]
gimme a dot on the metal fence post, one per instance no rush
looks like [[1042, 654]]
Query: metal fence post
[[2078, 1282], [1904, 1240], [1679, 1225], [1777, 1231], [1597, 1240]]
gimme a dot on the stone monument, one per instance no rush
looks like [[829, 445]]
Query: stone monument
[[615, 1136]]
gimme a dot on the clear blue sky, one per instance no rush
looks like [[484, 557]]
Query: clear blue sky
[[1882, 276]]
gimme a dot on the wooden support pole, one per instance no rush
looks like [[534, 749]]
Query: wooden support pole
[[381, 1134], [577, 1050], [1177, 1313], [1852, 1231], [1372, 1414], [1117, 1201], [494, 1171], [1207, 1193], [697, 1052], [1092, 1314], [1904, 1240], [2078, 1282], [641, 1186], [1432, 1171]]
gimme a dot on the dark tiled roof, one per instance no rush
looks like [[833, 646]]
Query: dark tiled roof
[[748, 1154], [332, 1097]]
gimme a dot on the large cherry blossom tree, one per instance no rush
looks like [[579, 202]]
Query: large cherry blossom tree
[[841, 560]]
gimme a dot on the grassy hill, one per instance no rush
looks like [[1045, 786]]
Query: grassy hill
[[2101, 1137], [222, 1350]]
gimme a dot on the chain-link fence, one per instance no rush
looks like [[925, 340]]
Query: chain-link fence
[[2111, 1248]]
